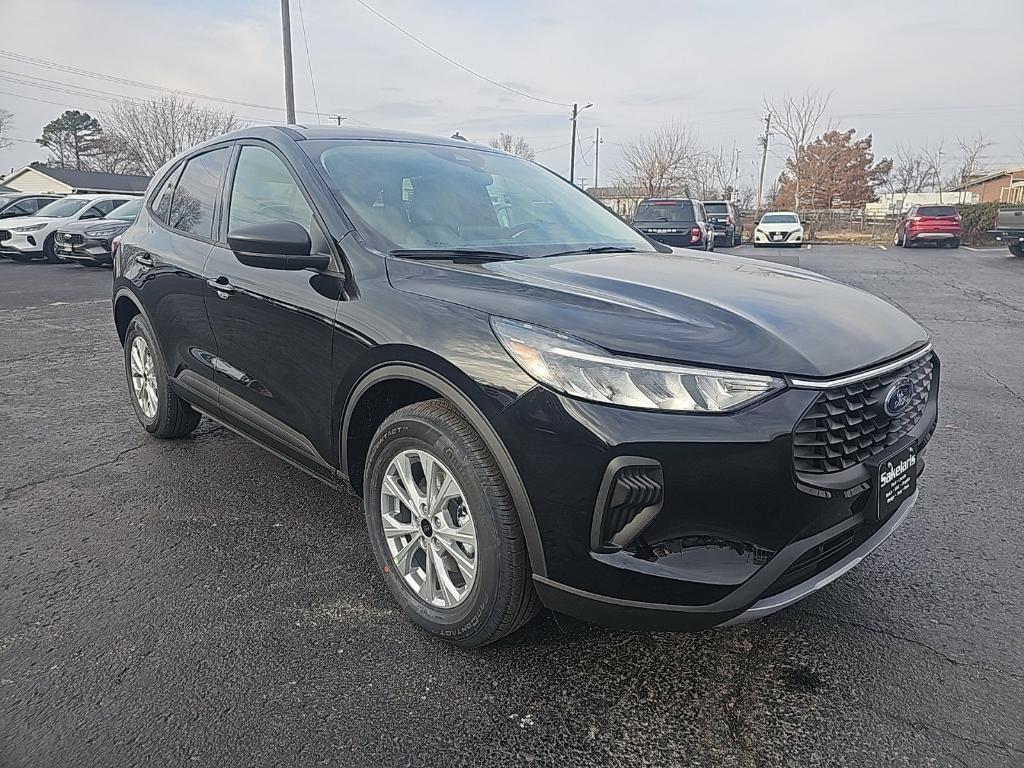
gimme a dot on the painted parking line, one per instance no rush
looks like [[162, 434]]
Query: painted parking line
[[883, 248], [982, 250]]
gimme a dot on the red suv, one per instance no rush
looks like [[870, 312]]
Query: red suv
[[938, 224]]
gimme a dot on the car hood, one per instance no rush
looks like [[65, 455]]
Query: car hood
[[712, 310], [115, 226]]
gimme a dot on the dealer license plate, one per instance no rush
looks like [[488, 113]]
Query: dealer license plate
[[896, 481]]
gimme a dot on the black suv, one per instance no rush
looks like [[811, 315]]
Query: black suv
[[536, 403], [725, 217], [675, 221]]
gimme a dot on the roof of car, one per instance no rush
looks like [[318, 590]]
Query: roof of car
[[99, 195], [312, 132]]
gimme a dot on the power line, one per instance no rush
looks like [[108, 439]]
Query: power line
[[136, 83], [450, 60], [309, 61]]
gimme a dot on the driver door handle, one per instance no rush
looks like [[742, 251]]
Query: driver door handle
[[221, 286]]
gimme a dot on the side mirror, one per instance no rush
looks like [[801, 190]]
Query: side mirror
[[92, 215], [275, 245]]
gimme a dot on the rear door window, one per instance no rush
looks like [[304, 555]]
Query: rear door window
[[194, 199]]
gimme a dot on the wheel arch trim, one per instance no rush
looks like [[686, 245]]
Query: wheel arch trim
[[469, 411]]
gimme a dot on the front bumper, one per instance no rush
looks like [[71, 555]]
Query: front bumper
[[21, 242], [88, 249], [635, 614], [771, 237], [738, 531]]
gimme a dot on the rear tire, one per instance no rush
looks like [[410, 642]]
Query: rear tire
[[953, 244], [907, 242], [157, 406], [499, 597]]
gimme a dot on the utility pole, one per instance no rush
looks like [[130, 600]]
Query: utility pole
[[289, 84], [576, 109], [764, 157], [597, 151]]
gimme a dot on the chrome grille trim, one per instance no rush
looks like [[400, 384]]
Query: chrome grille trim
[[853, 378]]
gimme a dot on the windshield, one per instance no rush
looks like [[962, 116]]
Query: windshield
[[780, 218], [126, 212], [59, 209], [406, 196], [665, 210], [716, 207]]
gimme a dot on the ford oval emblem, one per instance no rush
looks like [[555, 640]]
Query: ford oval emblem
[[898, 397]]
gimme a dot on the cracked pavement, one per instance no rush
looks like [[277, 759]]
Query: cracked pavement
[[200, 602]]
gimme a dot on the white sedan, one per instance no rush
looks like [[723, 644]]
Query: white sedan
[[26, 237], [779, 228]]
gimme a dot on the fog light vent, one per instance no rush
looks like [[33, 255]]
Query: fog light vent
[[630, 498]]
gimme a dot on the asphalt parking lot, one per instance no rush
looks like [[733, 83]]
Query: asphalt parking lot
[[200, 602]]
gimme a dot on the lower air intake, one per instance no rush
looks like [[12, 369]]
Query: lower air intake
[[630, 498]]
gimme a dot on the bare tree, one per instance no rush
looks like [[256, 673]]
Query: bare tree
[[515, 145], [795, 120], [6, 123], [726, 171], [152, 132], [657, 163], [911, 172], [972, 159], [933, 158]]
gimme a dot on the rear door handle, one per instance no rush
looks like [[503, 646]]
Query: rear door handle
[[144, 259], [221, 286]]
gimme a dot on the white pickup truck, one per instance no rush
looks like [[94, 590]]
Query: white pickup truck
[[1009, 228]]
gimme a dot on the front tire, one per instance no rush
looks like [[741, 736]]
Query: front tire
[[22, 257], [1016, 250], [444, 528], [50, 252], [157, 406]]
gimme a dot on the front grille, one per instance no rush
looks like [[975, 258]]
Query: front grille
[[815, 560], [5, 234], [848, 425], [72, 239], [775, 236]]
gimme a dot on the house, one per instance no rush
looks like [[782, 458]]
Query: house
[[68, 181], [1006, 186]]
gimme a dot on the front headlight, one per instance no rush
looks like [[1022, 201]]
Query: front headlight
[[29, 228], [580, 369]]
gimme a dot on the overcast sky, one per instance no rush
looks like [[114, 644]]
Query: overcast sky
[[907, 72]]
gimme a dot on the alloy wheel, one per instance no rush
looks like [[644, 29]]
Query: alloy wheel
[[143, 374], [429, 529]]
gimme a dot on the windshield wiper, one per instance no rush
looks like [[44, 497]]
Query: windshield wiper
[[475, 254], [595, 249]]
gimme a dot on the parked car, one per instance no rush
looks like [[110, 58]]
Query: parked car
[[544, 407], [1009, 228], [725, 218], [939, 224], [27, 237], [782, 228], [675, 221], [91, 242], [22, 204]]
